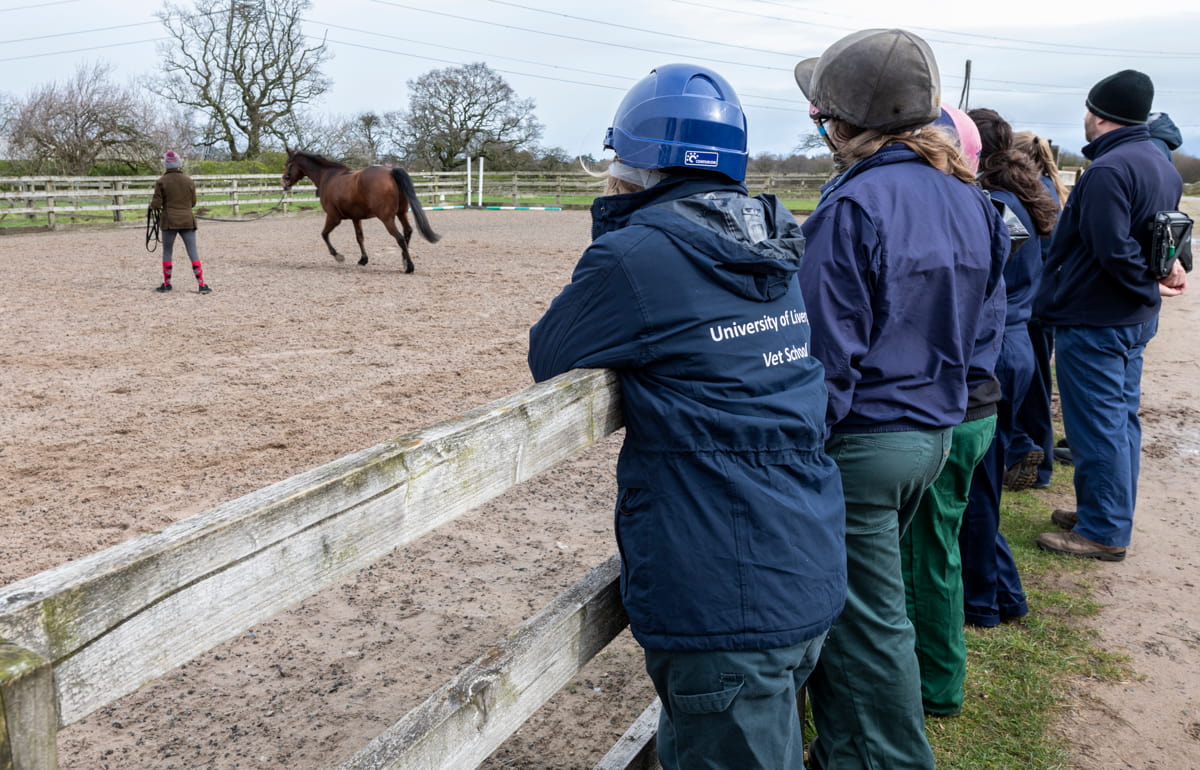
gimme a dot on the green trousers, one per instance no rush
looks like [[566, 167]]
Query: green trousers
[[932, 566], [866, 687]]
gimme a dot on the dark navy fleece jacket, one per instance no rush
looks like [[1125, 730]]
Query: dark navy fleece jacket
[[1097, 273]]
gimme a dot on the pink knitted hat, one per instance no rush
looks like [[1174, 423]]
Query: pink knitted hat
[[172, 160]]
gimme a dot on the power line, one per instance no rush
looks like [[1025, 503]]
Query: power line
[[655, 33], [83, 50], [1053, 48], [569, 37], [461, 50], [1063, 88], [79, 32], [798, 107], [490, 55], [36, 5], [790, 103], [1018, 86]]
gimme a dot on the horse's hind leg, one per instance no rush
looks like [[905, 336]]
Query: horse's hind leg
[[401, 238], [332, 221], [358, 234], [402, 214]]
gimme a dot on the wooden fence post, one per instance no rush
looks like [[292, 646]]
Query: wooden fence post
[[28, 710], [233, 195], [515, 192], [118, 201], [50, 203]]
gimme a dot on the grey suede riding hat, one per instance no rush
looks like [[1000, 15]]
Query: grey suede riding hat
[[882, 79]]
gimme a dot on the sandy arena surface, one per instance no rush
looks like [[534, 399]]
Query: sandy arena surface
[[125, 410]]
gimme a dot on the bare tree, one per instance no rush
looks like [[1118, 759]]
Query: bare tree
[[172, 126], [318, 133], [466, 111], [244, 64], [366, 137], [357, 141], [812, 144], [66, 128], [8, 111]]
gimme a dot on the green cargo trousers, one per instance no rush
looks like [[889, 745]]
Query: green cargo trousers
[[866, 687], [932, 568]]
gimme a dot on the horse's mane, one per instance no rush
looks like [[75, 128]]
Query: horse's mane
[[320, 160]]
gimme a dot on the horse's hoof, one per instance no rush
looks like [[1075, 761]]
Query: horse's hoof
[[362, 261], [409, 268], [338, 257]]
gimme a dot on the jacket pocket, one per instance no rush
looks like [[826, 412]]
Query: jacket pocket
[[629, 500], [710, 702]]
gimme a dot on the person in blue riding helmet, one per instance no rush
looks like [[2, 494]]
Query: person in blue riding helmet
[[729, 512]]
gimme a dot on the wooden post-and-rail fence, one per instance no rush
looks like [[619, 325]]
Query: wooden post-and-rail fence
[[56, 201], [78, 637]]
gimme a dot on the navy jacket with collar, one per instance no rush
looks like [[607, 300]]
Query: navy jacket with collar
[[903, 276], [1023, 270], [730, 519], [1097, 273]]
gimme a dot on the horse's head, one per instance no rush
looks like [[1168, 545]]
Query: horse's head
[[293, 171]]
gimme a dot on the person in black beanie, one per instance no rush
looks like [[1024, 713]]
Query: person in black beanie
[[1100, 296], [1123, 98]]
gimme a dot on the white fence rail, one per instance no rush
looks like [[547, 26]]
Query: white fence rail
[[79, 636]]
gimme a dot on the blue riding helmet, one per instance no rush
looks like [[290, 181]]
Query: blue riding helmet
[[681, 115]]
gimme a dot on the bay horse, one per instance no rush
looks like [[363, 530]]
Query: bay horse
[[382, 192]]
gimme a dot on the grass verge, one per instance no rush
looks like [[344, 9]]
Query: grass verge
[[1019, 674]]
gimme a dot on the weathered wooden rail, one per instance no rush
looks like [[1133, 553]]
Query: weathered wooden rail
[[79, 636]]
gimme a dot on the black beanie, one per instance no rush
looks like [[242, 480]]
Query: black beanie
[[1122, 98]]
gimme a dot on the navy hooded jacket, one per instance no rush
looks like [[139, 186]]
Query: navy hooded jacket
[[902, 275], [1023, 271], [1164, 133], [730, 518], [1097, 273]]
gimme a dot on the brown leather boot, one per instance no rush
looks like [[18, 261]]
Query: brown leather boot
[[1078, 545], [1064, 518]]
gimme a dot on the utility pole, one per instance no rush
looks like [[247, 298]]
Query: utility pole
[[964, 98]]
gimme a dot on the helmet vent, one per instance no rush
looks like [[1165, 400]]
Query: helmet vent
[[702, 86]]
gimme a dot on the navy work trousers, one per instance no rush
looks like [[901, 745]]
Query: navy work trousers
[[1100, 382]]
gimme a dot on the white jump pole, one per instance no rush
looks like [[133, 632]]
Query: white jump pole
[[468, 180], [480, 181]]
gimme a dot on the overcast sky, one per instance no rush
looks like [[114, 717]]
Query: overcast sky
[[1032, 61]]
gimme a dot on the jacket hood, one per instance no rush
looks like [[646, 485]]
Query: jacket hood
[[751, 246], [1164, 130]]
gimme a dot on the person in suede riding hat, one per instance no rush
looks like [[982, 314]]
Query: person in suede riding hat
[[174, 198], [1102, 299], [904, 255]]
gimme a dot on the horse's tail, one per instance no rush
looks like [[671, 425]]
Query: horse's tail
[[404, 181]]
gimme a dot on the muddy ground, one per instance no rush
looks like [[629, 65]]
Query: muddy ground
[[125, 410]]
